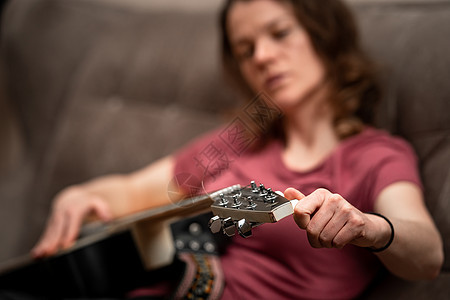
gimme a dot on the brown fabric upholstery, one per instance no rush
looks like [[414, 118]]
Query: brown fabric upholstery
[[410, 41], [90, 88], [412, 45]]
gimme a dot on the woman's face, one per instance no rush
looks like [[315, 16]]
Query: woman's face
[[274, 52]]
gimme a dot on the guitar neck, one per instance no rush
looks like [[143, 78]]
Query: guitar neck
[[96, 231], [183, 208]]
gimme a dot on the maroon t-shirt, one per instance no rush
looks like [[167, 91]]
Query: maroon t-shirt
[[277, 262]]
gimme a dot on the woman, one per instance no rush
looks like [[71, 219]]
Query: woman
[[305, 56]]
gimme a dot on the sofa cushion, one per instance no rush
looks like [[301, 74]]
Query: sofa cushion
[[410, 41]]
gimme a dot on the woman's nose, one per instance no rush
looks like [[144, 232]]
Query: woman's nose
[[264, 52]]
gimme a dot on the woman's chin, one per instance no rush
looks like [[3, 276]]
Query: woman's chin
[[289, 99], [283, 100]]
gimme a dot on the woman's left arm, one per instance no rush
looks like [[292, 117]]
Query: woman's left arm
[[417, 250], [330, 221]]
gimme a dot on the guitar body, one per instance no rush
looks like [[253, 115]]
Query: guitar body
[[108, 259], [111, 259], [108, 267]]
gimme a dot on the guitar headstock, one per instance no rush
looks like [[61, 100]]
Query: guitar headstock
[[247, 207]]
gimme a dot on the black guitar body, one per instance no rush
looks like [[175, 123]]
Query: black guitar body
[[107, 268], [108, 263]]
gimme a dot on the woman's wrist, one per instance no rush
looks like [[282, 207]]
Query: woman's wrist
[[383, 243]]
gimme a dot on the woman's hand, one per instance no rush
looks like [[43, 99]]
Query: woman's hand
[[332, 222], [69, 209], [106, 197]]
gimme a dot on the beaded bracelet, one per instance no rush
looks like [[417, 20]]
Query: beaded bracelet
[[392, 233]]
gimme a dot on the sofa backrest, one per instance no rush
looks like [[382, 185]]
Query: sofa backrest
[[411, 43], [100, 88]]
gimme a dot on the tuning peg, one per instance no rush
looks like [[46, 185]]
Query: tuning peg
[[223, 200], [254, 187], [215, 224], [271, 196], [251, 204], [228, 227], [262, 190], [236, 202], [244, 228]]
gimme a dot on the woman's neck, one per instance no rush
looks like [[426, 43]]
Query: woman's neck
[[310, 136]]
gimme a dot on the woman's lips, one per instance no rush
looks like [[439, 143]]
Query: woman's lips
[[273, 82]]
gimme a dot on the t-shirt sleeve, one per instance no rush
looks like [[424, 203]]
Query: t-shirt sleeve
[[199, 161], [396, 162]]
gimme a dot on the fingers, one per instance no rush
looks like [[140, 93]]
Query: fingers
[[48, 243], [101, 209], [350, 232], [329, 220], [334, 225], [72, 226], [66, 219], [75, 217], [325, 224], [292, 194], [304, 210]]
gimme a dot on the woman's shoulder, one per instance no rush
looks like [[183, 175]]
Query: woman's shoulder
[[375, 159], [373, 139], [373, 145]]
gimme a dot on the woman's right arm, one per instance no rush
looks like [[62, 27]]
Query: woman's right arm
[[105, 198]]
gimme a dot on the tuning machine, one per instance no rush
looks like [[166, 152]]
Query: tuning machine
[[215, 224], [229, 226], [244, 228]]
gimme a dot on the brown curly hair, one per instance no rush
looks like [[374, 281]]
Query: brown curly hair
[[355, 89]]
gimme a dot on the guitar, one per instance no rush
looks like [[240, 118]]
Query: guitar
[[108, 259], [248, 207]]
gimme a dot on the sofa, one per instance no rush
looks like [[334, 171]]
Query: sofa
[[93, 87]]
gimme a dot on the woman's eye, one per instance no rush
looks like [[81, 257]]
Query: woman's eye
[[279, 34], [244, 53]]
